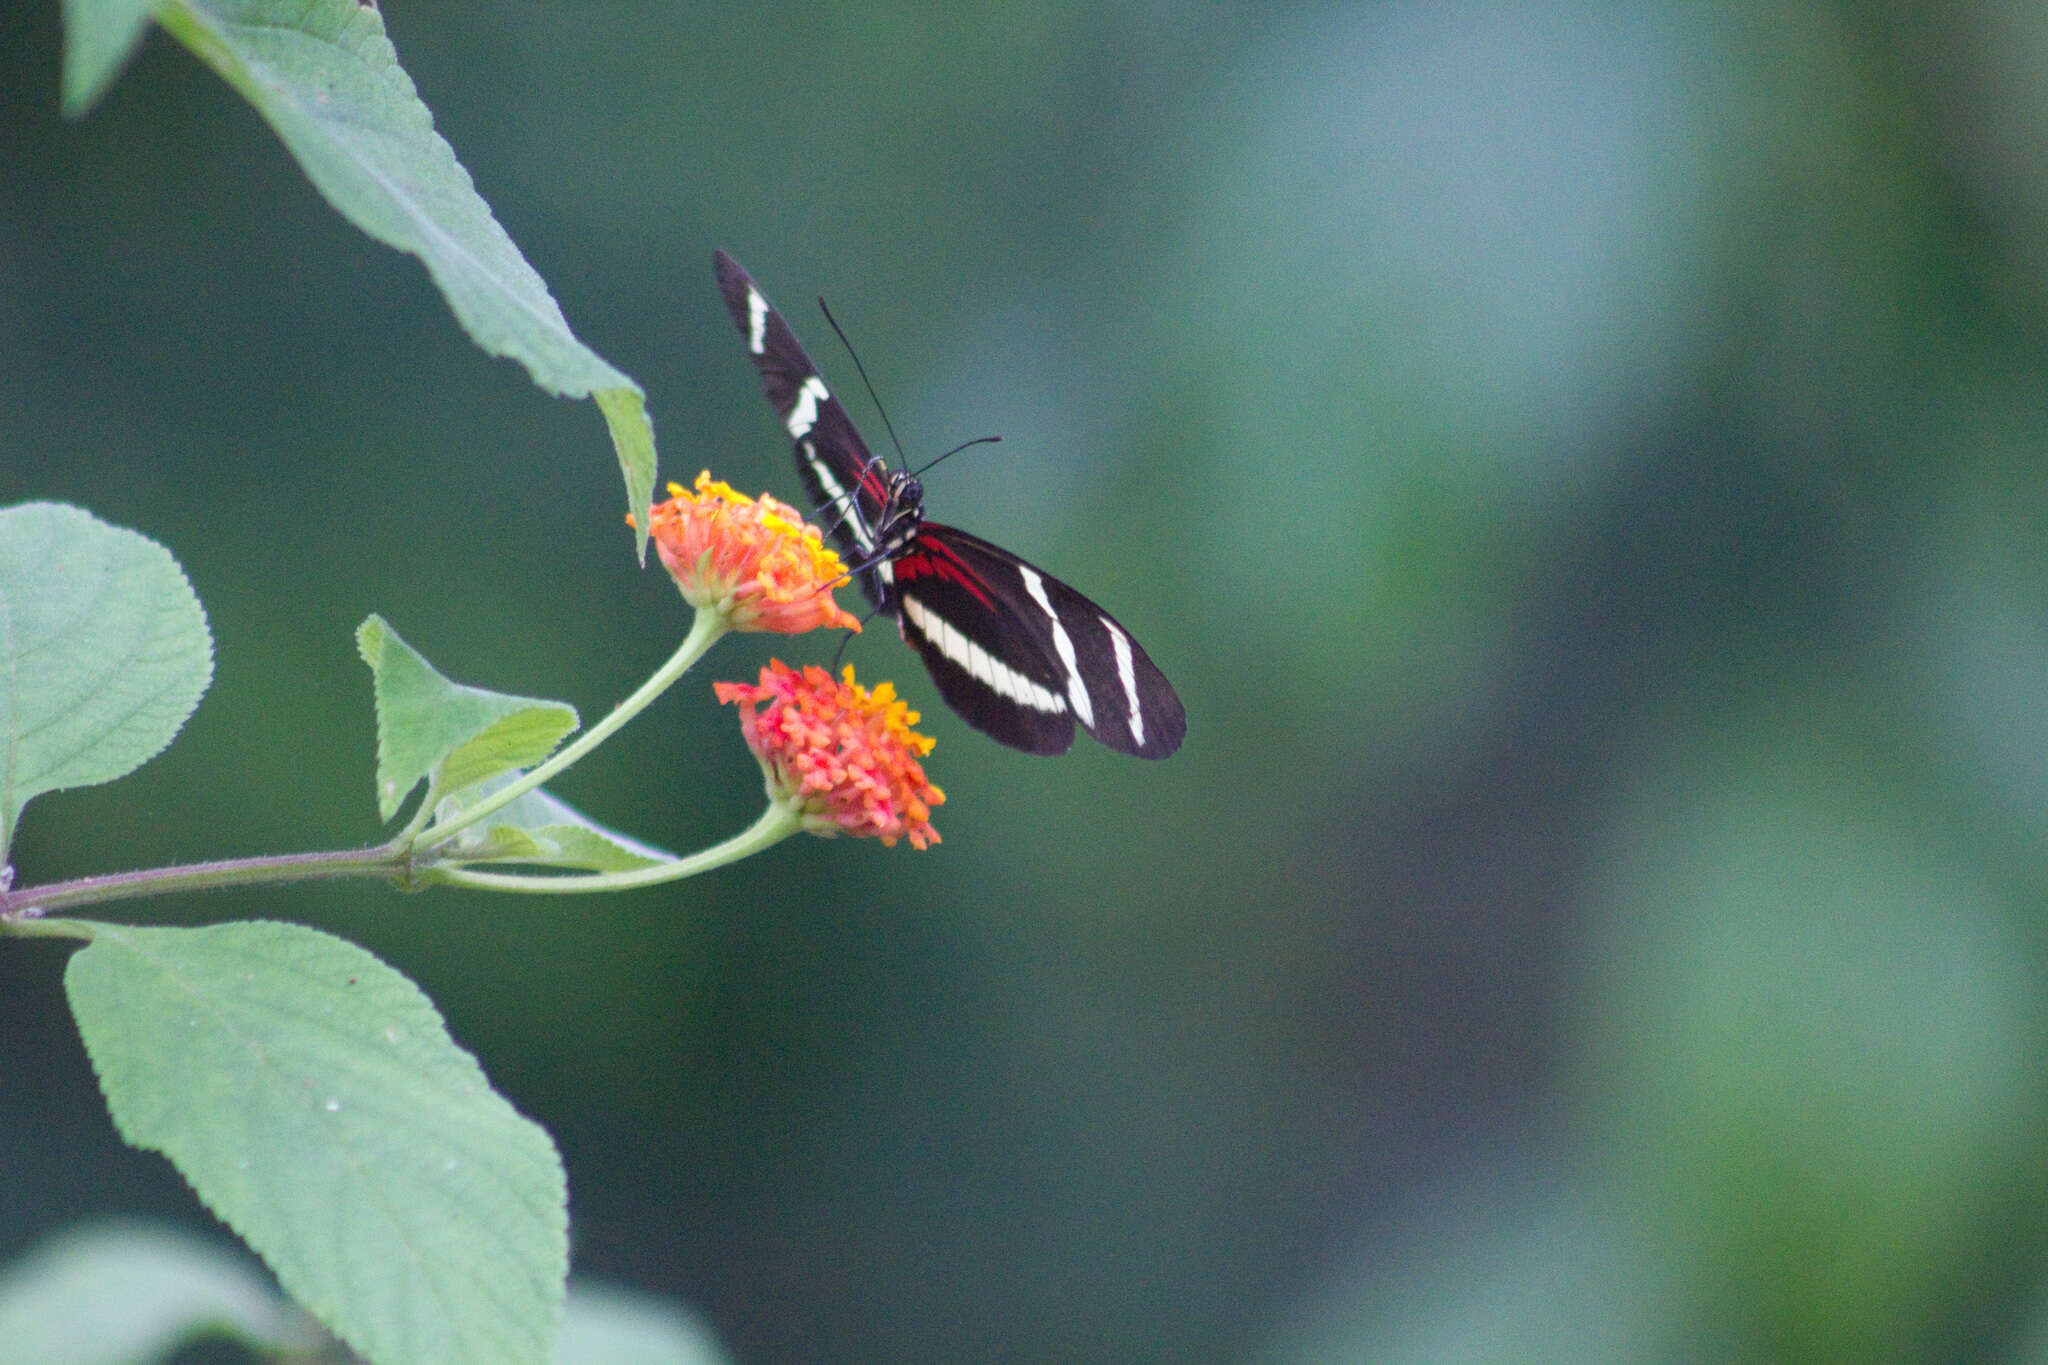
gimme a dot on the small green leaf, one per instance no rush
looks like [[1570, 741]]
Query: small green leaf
[[99, 37], [606, 1325], [460, 736], [326, 78], [314, 1100], [103, 653], [545, 831], [625, 412], [115, 1292]]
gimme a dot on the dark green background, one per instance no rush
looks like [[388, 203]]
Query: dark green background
[[1582, 465]]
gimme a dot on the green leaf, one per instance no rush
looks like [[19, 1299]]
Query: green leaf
[[326, 78], [546, 831], [625, 412], [99, 37], [606, 1325], [459, 736], [314, 1100], [103, 653], [115, 1292]]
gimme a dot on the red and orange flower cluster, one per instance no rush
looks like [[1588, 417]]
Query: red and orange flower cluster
[[843, 756], [754, 559]]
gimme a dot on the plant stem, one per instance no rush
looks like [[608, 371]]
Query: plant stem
[[777, 823], [388, 861], [704, 632], [402, 861]]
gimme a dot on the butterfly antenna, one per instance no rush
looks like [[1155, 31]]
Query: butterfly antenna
[[876, 399], [873, 397], [977, 441]]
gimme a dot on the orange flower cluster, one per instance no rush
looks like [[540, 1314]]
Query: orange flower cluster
[[756, 560], [844, 757]]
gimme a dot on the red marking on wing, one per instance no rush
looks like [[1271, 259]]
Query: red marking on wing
[[936, 559]]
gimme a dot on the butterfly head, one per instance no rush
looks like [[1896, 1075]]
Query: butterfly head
[[902, 517]]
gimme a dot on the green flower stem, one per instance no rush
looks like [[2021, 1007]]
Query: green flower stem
[[47, 928], [777, 823], [704, 632], [22, 909], [388, 861]]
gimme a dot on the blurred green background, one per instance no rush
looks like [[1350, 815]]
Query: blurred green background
[[1585, 467]]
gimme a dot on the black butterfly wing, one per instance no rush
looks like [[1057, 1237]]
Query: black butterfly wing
[[847, 484], [1023, 657]]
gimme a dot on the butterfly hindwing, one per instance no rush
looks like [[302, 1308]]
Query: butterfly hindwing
[[958, 608], [1023, 656]]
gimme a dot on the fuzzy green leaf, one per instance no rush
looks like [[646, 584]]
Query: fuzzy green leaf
[[545, 831], [314, 1100], [429, 727], [103, 653], [115, 1292], [323, 74], [606, 1325], [99, 37], [625, 413]]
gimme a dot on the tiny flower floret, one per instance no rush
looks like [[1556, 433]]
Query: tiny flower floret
[[754, 559], [845, 758]]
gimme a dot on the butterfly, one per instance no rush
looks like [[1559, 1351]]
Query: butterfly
[[1018, 654]]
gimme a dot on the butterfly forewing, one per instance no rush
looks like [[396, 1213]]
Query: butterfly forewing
[[847, 484]]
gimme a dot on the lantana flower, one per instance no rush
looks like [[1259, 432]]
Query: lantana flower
[[754, 559], [842, 757]]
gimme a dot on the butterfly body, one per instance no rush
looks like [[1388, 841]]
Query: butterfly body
[[1018, 654]]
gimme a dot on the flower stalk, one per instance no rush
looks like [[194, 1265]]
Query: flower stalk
[[704, 633], [775, 824]]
